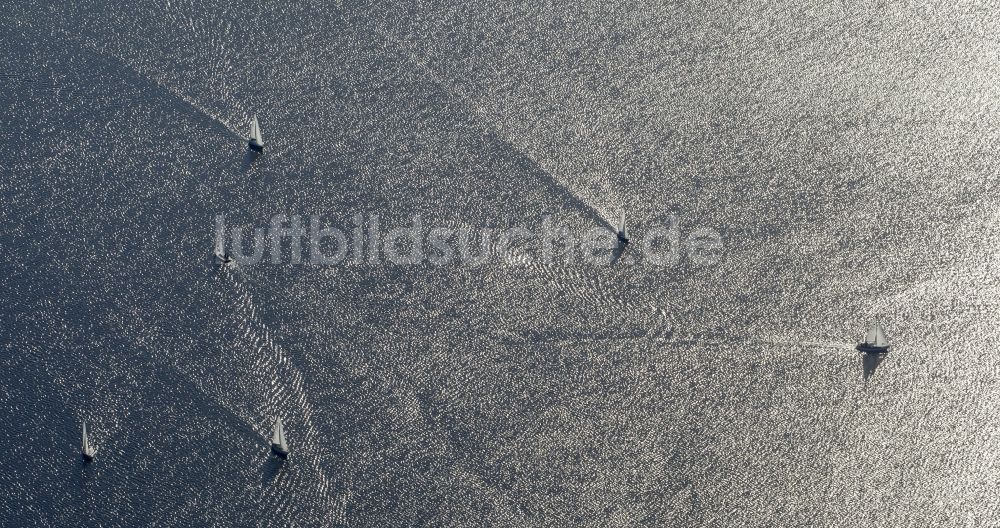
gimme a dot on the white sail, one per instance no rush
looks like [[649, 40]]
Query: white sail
[[870, 335], [256, 139], [86, 448], [278, 436], [621, 226], [258, 136], [255, 135], [876, 336], [880, 339]]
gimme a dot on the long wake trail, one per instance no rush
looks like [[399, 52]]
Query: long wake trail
[[283, 394]]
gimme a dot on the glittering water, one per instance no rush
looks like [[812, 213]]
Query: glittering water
[[845, 152]]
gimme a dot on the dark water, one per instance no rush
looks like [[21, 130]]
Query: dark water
[[844, 151]]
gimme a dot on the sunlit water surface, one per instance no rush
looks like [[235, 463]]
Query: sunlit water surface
[[845, 152]]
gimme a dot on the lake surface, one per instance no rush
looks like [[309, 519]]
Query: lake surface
[[845, 154]]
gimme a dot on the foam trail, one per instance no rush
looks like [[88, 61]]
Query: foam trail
[[829, 346], [284, 387]]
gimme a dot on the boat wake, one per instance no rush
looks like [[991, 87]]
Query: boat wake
[[268, 368], [819, 346]]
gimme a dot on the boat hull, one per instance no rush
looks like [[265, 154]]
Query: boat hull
[[256, 147], [87, 457], [872, 349], [278, 452]]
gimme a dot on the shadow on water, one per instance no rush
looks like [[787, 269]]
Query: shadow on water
[[84, 471], [559, 190], [249, 156], [870, 362], [272, 468]]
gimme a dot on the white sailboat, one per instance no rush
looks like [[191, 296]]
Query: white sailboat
[[256, 140], [622, 233], [88, 451], [222, 257], [278, 445], [875, 341]]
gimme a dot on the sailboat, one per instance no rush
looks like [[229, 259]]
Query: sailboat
[[278, 445], [256, 140], [88, 451], [622, 234], [875, 341], [224, 259]]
